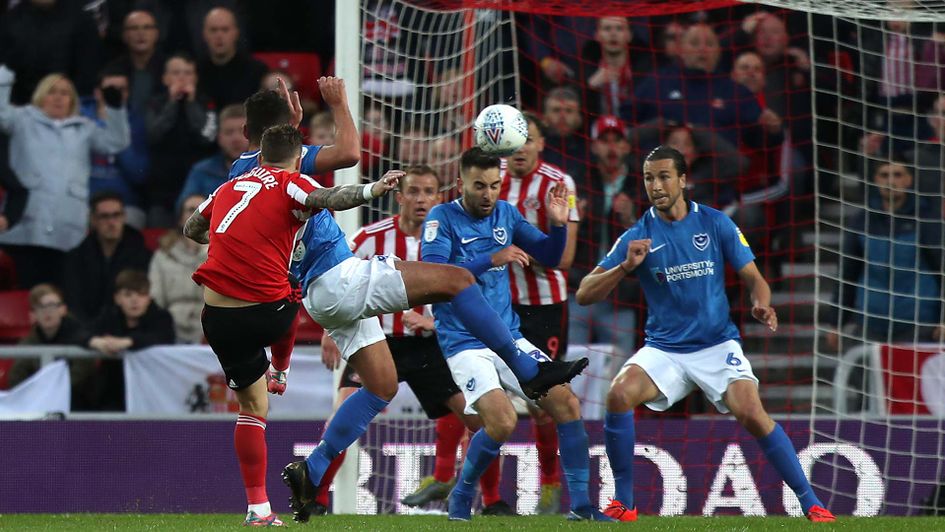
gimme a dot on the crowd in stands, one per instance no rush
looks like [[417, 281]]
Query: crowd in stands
[[126, 114]]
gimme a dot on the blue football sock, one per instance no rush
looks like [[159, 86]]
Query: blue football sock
[[780, 452], [480, 454], [619, 439], [572, 442], [482, 321], [347, 425]]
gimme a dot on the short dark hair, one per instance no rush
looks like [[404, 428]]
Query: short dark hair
[[418, 169], [475, 157], [533, 119], [133, 280], [264, 110], [280, 144], [183, 56], [661, 153], [104, 195]]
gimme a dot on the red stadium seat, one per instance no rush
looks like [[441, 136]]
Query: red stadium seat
[[308, 332], [303, 68], [5, 365], [14, 316], [152, 235]]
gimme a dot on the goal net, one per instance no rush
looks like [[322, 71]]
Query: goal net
[[784, 112]]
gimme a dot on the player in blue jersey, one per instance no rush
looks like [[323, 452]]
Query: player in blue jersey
[[483, 235], [678, 250], [268, 108], [345, 294]]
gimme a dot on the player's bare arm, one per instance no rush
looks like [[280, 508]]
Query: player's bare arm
[[761, 308], [345, 197], [346, 151], [599, 283], [197, 228]]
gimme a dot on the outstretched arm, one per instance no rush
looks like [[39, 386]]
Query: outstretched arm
[[760, 292], [346, 151], [197, 228], [345, 197]]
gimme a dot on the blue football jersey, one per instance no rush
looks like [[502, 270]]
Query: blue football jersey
[[449, 231], [683, 276], [322, 244]]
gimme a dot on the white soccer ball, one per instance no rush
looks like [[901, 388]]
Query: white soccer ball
[[500, 130]]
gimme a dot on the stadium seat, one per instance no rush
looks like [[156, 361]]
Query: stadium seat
[[14, 316], [5, 365], [303, 68], [151, 237], [308, 332]]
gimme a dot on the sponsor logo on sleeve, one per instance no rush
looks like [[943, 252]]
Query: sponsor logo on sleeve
[[741, 237], [430, 230]]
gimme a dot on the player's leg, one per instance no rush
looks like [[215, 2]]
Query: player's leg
[[427, 283], [474, 371], [546, 326], [278, 373], [647, 377], [743, 401], [362, 344], [349, 384], [237, 336]]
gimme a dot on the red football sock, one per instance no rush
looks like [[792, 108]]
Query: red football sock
[[249, 439], [489, 483], [282, 349], [546, 440], [322, 496], [449, 430]]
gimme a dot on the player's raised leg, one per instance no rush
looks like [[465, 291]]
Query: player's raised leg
[[439, 283], [629, 389], [742, 399]]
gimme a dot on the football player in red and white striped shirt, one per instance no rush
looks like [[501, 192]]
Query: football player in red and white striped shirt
[[540, 293], [416, 354], [250, 223]]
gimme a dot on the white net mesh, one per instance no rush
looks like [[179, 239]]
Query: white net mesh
[[426, 74], [914, 10], [879, 241]]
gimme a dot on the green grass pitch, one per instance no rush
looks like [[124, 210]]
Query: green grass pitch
[[412, 523]]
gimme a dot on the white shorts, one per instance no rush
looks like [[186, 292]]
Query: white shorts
[[346, 299], [677, 374], [479, 371]]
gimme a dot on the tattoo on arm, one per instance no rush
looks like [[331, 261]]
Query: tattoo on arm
[[336, 198], [197, 228]]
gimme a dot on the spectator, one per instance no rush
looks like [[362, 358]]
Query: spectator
[[606, 208], [444, 156], [132, 321], [39, 37], [271, 82], [110, 247], [50, 156], [566, 144], [714, 163], [141, 63], [171, 267], [611, 84], [929, 160], [229, 75], [53, 325], [375, 135], [891, 266], [696, 93], [321, 132], [181, 130], [208, 174], [127, 171]]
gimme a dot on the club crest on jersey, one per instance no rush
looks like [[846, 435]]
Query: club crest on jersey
[[429, 230], [500, 235], [298, 252], [471, 384], [660, 275], [701, 241], [531, 204]]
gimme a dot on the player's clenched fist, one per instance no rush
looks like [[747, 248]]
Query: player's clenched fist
[[388, 182], [636, 252], [766, 315], [508, 255], [333, 90]]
